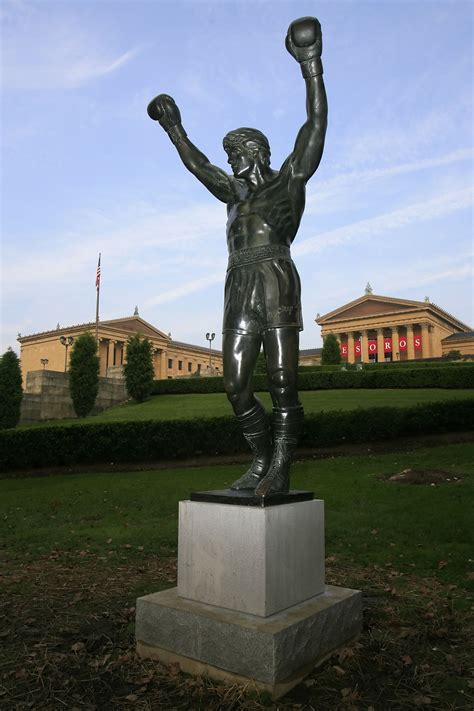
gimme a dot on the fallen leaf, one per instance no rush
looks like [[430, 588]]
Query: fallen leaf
[[442, 564], [339, 671], [345, 692], [374, 531], [309, 683], [345, 653], [77, 647], [132, 697], [422, 701], [407, 660]]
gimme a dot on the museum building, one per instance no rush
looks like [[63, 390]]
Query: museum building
[[376, 328], [171, 359]]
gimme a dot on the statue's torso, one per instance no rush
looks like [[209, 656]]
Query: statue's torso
[[268, 214]]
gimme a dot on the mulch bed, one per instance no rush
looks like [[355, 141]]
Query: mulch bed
[[431, 477], [67, 642]]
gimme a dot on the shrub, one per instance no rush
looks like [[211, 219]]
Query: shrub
[[329, 377], [155, 440], [452, 355], [11, 391], [138, 369], [331, 353], [84, 374]]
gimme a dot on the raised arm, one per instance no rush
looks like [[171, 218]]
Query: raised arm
[[304, 42], [163, 109]]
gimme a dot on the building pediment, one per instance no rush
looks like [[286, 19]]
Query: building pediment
[[132, 325], [114, 328], [370, 305]]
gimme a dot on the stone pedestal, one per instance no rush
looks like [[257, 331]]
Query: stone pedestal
[[249, 559], [251, 604]]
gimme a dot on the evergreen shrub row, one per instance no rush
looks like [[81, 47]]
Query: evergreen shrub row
[[435, 363], [323, 379], [152, 441]]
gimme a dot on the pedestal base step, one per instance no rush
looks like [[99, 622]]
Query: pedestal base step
[[273, 654]]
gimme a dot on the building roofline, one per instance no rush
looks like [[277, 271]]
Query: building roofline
[[417, 306], [204, 349], [91, 324]]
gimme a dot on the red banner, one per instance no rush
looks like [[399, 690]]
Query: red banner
[[387, 345], [417, 342], [344, 350], [402, 343], [372, 347], [357, 349]]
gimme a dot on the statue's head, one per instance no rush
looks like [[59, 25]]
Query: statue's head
[[246, 144]]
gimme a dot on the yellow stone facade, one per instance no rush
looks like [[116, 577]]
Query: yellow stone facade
[[171, 359], [413, 329]]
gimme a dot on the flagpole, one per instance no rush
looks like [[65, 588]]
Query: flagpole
[[97, 283]]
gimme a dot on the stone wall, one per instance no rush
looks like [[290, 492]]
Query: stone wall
[[46, 396]]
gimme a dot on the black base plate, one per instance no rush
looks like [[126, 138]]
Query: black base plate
[[248, 498]]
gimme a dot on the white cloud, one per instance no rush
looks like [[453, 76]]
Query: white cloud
[[321, 194], [188, 287], [436, 207], [138, 235], [52, 50]]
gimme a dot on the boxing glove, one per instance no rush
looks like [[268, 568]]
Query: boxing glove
[[304, 42], [163, 109]]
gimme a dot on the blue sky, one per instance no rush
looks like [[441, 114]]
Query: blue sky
[[84, 170]]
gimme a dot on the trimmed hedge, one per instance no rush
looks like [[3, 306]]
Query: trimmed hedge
[[433, 363], [326, 379], [151, 441]]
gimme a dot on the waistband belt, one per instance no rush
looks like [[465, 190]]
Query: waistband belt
[[251, 255]]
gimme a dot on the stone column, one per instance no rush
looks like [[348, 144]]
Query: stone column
[[364, 342], [350, 347], [103, 346], [163, 365], [425, 341], [395, 344], [380, 348], [410, 344], [111, 353]]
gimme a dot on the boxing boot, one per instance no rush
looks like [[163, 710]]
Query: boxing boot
[[256, 431], [287, 423]]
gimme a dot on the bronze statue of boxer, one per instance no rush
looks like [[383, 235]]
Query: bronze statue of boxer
[[262, 292]]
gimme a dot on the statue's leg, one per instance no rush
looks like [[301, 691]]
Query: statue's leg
[[240, 355], [281, 349]]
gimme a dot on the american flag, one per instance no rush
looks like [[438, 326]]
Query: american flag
[[97, 276]]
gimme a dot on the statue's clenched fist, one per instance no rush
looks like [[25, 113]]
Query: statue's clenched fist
[[304, 40], [163, 109]]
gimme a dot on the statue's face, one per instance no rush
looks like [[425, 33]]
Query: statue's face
[[241, 160]]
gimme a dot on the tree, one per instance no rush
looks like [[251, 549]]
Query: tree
[[84, 374], [452, 355], [11, 391], [331, 354], [138, 370]]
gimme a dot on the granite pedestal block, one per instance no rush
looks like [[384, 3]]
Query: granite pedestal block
[[273, 653], [251, 559], [251, 604]]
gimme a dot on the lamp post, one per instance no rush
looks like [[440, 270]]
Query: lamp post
[[66, 341], [210, 337], [44, 362]]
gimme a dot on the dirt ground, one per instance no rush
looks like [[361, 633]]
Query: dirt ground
[[67, 641]]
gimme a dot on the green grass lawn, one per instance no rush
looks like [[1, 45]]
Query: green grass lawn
[[76, 550], [170, 407], [369, 521]]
